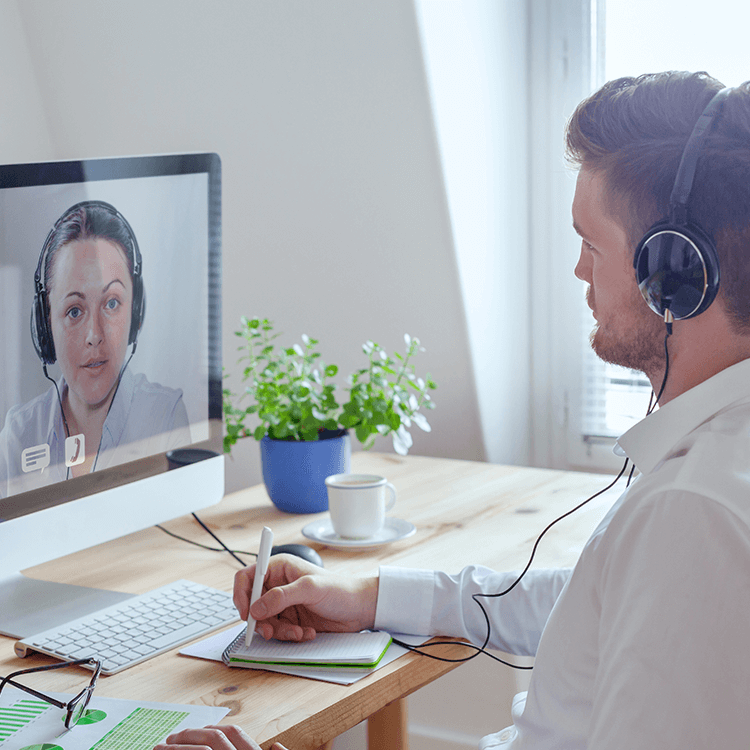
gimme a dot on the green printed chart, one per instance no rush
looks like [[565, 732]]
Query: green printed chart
[[19, 715], [141, 730], [91, 716], [107, 724]]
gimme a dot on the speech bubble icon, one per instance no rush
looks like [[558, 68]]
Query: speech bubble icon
[[35, 458]]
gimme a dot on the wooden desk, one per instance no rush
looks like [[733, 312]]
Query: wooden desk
[[465, 512]]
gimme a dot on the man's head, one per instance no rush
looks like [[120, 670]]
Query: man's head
[[630, 136]]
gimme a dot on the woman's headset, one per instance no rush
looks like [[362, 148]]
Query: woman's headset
[[41, 331], [676, 264]]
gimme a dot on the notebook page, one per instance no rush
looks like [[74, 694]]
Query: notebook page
[[325, 648]]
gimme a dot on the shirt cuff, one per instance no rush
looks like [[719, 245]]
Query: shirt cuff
[[405, 597]]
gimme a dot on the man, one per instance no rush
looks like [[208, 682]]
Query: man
[[644, 643]]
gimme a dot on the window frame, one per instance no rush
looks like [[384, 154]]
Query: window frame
[[566, 64]]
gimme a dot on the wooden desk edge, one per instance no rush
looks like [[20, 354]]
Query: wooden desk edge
[[400, 679]]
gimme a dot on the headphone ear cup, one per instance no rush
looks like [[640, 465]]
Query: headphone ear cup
[[139, 308], [677, 269], [41, 335]]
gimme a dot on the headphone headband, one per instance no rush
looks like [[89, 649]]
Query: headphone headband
[[683, 183]]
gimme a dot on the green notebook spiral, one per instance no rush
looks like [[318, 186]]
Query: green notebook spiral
[[360, 651]]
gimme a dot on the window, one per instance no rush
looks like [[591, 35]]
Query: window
[[643, 36], [582, 404]]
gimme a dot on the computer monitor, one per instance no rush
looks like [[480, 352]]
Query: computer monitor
[[110, 363]]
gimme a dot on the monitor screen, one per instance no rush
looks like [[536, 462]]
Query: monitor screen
[[110, 352]]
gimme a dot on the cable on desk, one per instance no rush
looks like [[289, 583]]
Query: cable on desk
[[223, 548]]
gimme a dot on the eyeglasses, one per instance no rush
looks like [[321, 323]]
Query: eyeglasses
[[74, 707]]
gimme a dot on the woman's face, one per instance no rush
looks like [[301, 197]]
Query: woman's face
[[90, 302]]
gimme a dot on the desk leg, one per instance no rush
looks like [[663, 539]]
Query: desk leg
[[388, 728]]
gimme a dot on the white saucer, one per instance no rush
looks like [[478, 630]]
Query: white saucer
[[393, 530]]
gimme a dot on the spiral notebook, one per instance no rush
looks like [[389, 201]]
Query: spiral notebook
[[360, 651]]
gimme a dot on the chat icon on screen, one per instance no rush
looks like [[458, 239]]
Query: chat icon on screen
[[35, 458]]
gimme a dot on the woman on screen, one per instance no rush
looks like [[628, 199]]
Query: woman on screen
[[88, 310]]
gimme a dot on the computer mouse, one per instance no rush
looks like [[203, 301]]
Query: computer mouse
[[299, 550]]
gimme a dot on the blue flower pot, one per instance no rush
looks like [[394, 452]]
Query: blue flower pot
[[294, 471]]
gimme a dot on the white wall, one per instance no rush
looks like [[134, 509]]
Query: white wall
[[335, 215], [24, 135], [476, 61]]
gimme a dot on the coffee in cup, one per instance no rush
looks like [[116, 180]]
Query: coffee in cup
[[357, 504]]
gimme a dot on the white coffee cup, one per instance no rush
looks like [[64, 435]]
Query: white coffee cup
[[357, 504]]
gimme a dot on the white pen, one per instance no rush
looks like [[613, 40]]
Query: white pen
[[261, 568]]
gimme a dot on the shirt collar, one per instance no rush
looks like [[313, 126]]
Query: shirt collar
[[55, 425], [651, 440]]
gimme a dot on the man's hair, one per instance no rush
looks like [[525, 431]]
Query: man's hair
[[633, 131]]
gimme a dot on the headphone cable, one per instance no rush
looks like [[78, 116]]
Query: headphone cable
[[653, 402], [483, 648], [62, 410], [109, 408]]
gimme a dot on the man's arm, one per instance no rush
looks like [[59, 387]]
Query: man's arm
[[442, 604], [301, 599]]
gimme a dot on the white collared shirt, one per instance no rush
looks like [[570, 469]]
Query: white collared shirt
[[645, 643]]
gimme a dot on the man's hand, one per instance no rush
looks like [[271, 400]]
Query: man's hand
[[213, 737], [301, 599]]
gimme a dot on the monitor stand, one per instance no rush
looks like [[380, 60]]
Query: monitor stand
[[29, 606]]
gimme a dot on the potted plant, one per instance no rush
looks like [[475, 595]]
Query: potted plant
[[302, 429]]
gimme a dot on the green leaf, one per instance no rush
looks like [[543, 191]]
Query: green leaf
[[363, 432], [260, 432], [349, 420], [310, 433]]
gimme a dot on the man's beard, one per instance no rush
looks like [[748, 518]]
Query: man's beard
[[639, 345]]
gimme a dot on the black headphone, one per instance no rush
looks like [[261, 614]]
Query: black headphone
[[41, 331], [676, 264]]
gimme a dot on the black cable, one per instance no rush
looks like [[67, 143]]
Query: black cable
[[479, 650], [666, 366], [205, 546], [62, 411], [224, 546], [482, 649], [112, 401], [59, 398]]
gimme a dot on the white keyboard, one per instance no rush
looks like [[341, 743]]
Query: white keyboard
[[138, 628]]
